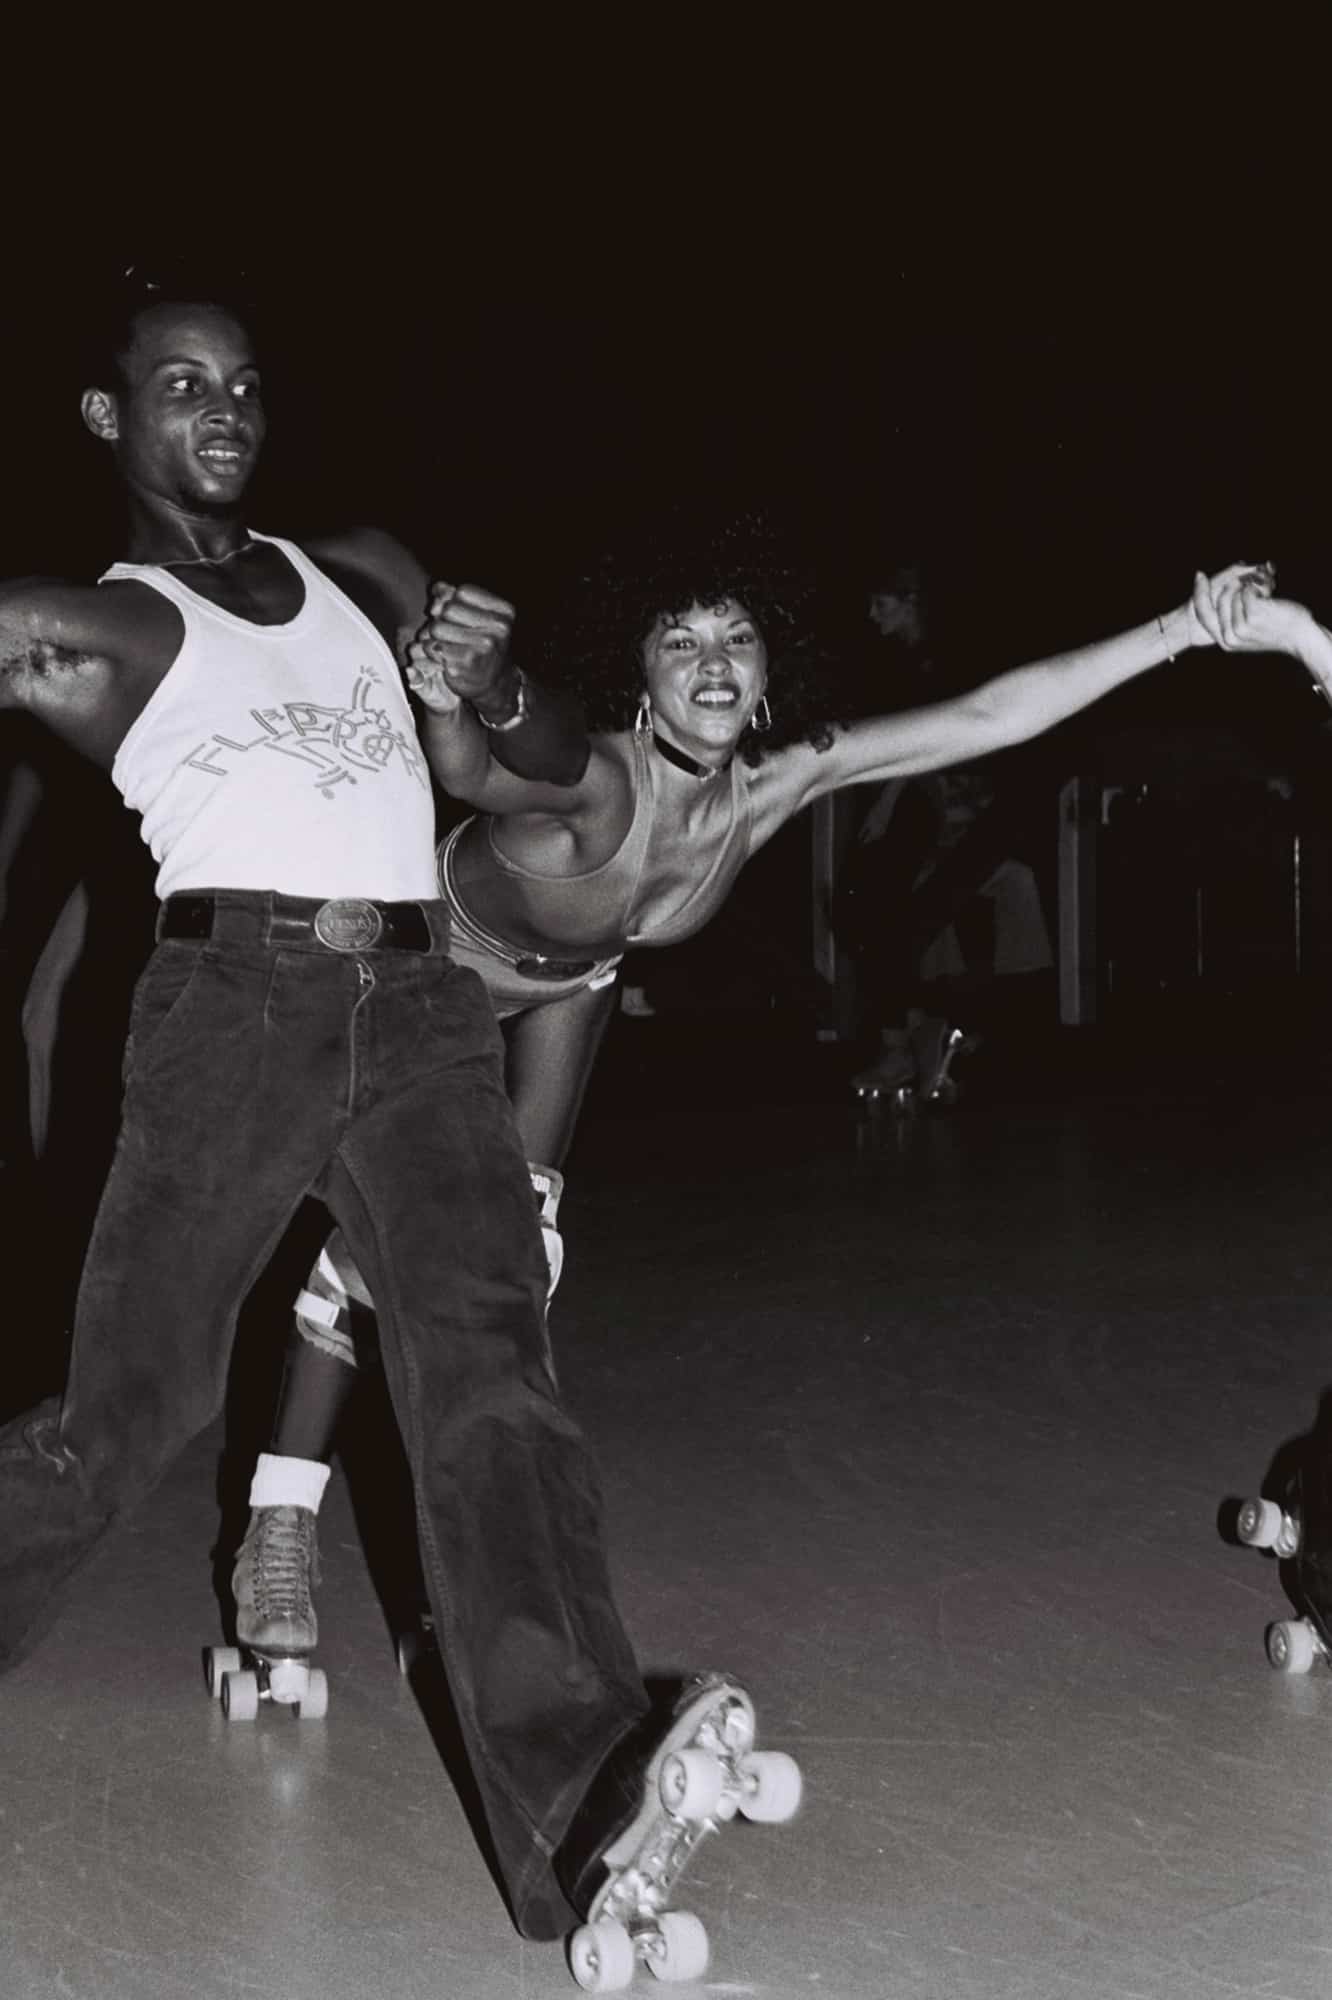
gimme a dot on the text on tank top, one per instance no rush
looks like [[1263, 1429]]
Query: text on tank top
[[280, 756]]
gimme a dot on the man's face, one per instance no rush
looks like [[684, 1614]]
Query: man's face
[[188, 422]]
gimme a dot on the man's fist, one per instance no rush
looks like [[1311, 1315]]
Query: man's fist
[[461, 652]]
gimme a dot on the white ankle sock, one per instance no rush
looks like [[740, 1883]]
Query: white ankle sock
[[288, 1482]]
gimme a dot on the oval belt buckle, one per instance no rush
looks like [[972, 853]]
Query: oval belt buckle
[[348, 924]]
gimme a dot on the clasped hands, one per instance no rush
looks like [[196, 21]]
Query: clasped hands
[[1238, 611]]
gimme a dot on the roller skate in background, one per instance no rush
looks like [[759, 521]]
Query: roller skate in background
[[1296, 1527], [917, 1065], [890, 1081], [276, 1628], [938, 1047], [703, 1771]]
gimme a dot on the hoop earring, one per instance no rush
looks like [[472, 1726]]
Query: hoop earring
[[643, 719], [761, 728]]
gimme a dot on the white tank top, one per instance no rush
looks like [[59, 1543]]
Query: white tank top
[[280, 756]]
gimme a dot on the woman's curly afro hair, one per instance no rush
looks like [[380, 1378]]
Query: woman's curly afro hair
[[594, 642]]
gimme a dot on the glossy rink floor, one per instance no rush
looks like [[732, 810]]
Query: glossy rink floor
[[929, 1435]]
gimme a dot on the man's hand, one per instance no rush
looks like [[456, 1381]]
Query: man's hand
[[461, 652]]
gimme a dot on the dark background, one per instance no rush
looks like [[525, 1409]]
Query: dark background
[[1063, 454]]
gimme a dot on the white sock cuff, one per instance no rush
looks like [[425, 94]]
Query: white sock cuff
[[288, 1482]]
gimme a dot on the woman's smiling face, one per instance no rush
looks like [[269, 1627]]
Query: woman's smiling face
[[705, 670]]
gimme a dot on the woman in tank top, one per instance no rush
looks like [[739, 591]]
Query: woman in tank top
[[712, 726], [710, 729]]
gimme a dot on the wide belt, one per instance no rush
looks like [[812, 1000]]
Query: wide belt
[[345, 923], [536, 965]]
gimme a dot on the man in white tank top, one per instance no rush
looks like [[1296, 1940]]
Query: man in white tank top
[[300, 1030]]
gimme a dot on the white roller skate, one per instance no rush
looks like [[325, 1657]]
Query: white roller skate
[[703, 1772], [275, 1621], [1283, 1528]]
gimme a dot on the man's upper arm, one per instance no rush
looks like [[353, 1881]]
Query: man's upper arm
[[382, 577], [45, 625], [551, 744]]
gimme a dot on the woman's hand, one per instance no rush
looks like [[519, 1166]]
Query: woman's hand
[[1241, 615], [1213, 604]]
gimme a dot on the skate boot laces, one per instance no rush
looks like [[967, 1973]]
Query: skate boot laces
[[275, 1567]]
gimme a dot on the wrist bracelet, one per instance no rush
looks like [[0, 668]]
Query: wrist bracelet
[[1170, 658], [519, 714]]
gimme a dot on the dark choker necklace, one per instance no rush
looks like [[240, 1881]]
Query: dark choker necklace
[[683, 762]]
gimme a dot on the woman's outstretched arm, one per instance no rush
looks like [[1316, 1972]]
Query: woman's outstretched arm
[[1024, 702]]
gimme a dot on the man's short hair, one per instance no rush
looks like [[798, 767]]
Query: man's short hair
[[109, 333]]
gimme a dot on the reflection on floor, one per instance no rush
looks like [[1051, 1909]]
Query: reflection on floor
[[929, 1434]]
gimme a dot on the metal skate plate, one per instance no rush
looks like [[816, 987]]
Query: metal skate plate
[[649, 1857]]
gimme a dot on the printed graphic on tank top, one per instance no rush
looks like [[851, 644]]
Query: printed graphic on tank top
[[280, 756]]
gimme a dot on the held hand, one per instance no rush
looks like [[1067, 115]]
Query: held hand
[[1211, 594], [1252, 622], [461, 653]]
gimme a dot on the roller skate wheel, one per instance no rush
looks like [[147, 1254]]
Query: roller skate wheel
[[313, 1704], [240, 1696], [288, 1681], [690, 1784], [1260, 1524], [218, 1662], [900, 1097], [1290, 1646], [773, 1787], [680, 1949], [601, 1957]]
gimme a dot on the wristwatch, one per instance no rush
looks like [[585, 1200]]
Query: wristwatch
[[519, 714]]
